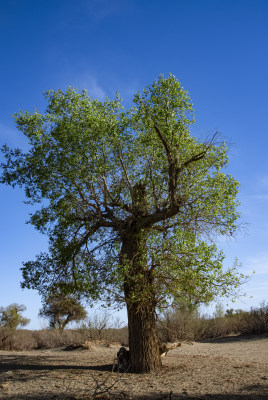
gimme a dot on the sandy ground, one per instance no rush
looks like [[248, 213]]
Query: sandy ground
[[232, 368]]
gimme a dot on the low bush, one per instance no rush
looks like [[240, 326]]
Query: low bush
[[186, 325], [52, 338], [255, 321], [23, 339], [119, 335]]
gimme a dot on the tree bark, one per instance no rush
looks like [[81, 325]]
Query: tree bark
[[139, 291], [143, 340], [141, 304]]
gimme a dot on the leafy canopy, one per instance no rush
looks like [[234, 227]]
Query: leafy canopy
[[101, 173], [11, 318], [61, 310]]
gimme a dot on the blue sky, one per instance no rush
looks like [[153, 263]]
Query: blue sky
[[217, 49]]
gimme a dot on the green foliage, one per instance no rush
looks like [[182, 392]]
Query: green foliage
[[61, 310], [11, 318], [107, 179]]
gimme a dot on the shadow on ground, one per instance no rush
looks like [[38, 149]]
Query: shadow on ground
[[28, 363], [151, 396]]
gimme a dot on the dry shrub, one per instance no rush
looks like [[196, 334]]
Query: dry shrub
[[52, 338], [208, 328], [26, 340], [117, 335], [5, 338], [255, 321], [17, 340], [177, 325], [184, 325], [23, 339], [174, 325], [110, 335]]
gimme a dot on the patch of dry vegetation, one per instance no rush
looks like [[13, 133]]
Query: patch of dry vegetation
[[23, 339], [173, 326], [184, 325]]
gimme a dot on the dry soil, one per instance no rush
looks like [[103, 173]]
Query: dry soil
[[231, 368]]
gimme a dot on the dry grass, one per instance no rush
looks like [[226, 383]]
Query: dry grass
[[173, 326]]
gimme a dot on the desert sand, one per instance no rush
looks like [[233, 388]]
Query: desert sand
[[232, 368]]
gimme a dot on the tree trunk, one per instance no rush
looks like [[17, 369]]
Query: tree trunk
[[143, 340], [141, 304], [139, 290]]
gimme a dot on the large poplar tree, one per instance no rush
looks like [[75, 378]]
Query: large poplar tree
[[132, 204]]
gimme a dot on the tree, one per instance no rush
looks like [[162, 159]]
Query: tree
[[131, 202], [61, 310], [11, 318]]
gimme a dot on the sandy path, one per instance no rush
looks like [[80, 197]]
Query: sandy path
[[243, 349]]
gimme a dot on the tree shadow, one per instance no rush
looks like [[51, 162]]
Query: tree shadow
[[29, 363], [261, 394], [46, 396]]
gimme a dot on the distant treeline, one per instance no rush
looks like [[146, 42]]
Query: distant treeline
[[173, 325]]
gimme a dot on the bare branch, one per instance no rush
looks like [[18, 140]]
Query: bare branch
[[126, 174]]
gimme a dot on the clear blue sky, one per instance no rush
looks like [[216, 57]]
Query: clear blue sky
[[217, 49]]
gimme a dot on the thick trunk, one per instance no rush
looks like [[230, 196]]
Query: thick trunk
[[139, 289], [143, 340], [140, 300]]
